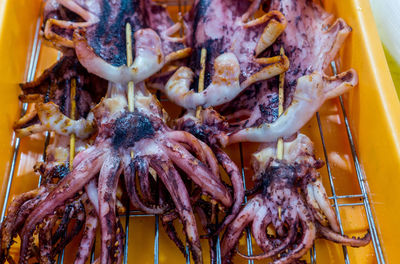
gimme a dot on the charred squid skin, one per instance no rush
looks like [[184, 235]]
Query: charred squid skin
[[199, 173], [120, 243], [9, 227], [310, 94], [234, 230], [306, 241], [45, 239], [237, 182], [67, 188], [144, 179], [107, 188], [130, 169], [202, 150], [177, 189], [321, 204], [72, 220], [148, 58], [89, 233], [207, 227], [331, 235], [172, 234]]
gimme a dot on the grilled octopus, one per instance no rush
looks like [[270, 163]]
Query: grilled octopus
[[292, 200], [233, 44], [97, 37], [311, 41]]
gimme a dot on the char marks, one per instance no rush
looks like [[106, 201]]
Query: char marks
[[130, 128], [108, 37]]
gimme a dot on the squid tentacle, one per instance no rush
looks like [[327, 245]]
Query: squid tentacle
[[89, 233], [144, 179], [235, 229], [67, 187], [206, 226], [202, 150], [45, 239], [198, 172], [9, 226], [343, 240], [181, 198], [307, 238], [237, 182], [130, 168], [172, 234], [324, 205], [107, 188], [275, 22]]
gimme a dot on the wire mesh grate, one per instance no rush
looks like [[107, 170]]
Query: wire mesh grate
[[31, 71]]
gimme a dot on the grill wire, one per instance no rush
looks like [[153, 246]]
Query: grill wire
[[133, 213]]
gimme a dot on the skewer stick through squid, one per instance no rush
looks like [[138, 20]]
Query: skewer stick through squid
[[201, 77], [279, 147], [129, 61], [72, 138], [198, 111]]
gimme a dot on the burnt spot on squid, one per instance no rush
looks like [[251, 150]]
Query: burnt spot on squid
[[105, 37], [130, 128], [200, 12], [214, 48], [279, 174]]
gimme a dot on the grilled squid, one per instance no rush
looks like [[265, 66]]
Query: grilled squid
[[105, 54], [310, 93], [292, 200], [233, 44]]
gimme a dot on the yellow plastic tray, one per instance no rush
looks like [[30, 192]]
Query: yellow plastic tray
[[373, 111]]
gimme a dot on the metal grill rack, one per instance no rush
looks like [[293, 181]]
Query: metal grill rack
[[130, 213]]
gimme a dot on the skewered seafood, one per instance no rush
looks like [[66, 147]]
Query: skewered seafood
[[160, 164], [311, 41], [59, 227], [144, 133], [105, 55], [49, 96], [311, 92], [233, 44], [292, 200]]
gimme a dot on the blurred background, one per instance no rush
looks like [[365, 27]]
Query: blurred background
[[387, 17]]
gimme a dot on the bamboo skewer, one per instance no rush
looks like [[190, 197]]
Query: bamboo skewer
[[201, 77], [203, 57], [279, 147], [72, 138], [129, 61]]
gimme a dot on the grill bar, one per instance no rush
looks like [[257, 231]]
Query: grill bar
[[156, 239], [328, 167], [362, 182], [347, 196], [248, 235], [126, 232], [31, 74], [36, 47]]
